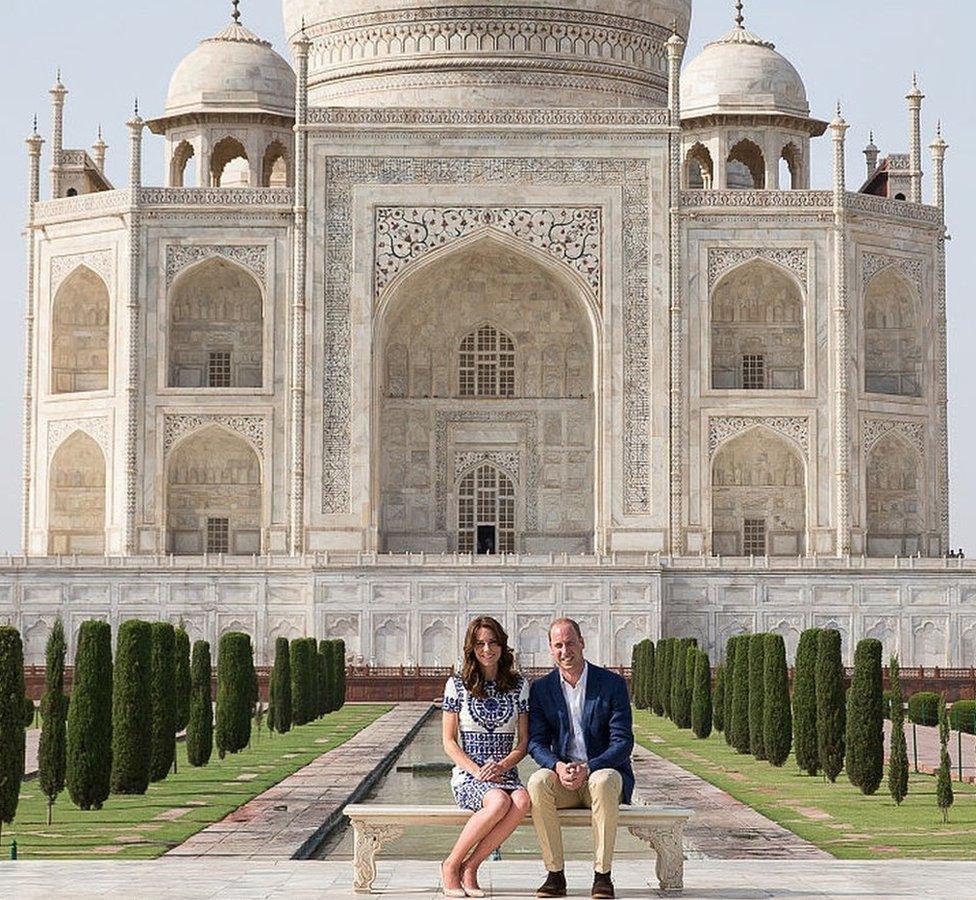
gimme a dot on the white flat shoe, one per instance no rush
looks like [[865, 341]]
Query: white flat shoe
[[474, 892]]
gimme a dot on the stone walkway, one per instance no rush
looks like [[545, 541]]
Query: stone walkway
[[289, 820], [928, 750], [188, 879], [721, 827]]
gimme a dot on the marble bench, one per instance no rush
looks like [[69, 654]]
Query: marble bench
[[661, 827]]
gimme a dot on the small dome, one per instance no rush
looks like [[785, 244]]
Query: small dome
[[741, 73], [234, 71]]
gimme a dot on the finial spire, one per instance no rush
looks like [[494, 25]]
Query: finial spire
[[35, 123], [236, 14], [739, 17]]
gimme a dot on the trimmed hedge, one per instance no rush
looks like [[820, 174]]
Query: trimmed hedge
[[757, 694], [199, 730], [235, 675], [54, 713], [865, 721], [898, 755], [302, 697], [132, 708], [183, 678], [657, 693], [279, 715], [718, 700], [12, 726], [777, 719], [805, 703], [646, 675], [89, 759], [740, 696], [664, 683], [923, 708], [730, 646], [340, 661], [701, 695], [636, 661], [831, 703], [962, 716], [163, 741]]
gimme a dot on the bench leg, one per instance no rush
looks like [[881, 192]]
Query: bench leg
[[667, 844], [369, 838]]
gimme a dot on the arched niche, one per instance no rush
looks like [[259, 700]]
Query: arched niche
[[428, 423], [390, 644], [895, 518], [486, 363], [892, 337], [699, 168], [438, 646], [746, 167], [758, 496], [216, 327], [486, 511], [229, 166], [791, 167], [274, 166], [76, 508], [80, 334], [213, 495], [182, 156], [757, 329]]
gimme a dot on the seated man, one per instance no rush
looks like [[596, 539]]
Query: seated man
[[581, 733]]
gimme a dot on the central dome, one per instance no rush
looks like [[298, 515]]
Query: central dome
[[466, 54]]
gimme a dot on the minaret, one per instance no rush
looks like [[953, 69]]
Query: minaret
[[298, 374], [58, 93], [135, 126], [98, 151], [871, 154], [915, 98], [939, 148], [34, 145], [842, 473]]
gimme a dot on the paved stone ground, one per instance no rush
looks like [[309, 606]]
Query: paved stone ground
[[30, 760], [721, 827], [928, 750], [287, 820], [188, 879]]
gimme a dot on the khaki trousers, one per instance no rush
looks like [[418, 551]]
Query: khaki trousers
[[601, 794]]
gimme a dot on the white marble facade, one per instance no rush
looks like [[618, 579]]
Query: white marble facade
[[486, 295]]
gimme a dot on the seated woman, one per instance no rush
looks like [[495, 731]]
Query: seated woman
[[486, 733]]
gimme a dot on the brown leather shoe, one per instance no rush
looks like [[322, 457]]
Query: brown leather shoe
[[553, 886], [602, 885]]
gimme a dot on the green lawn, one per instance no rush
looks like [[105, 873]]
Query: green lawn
[[835, 817], [144, 827]]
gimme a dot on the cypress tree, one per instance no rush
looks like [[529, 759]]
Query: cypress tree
[[199, 729], [12, 696], [234, 692], [718, 705], [740, 696], [647, 672], [805, 703], [666, 672], [281, 687], [943, 784], [183, 678], [777, 720], [865, 719], [54, 712], [323, 697], [301, 700], [701, 695], [680, 685], [831, 711], [89, 760], [162, 747], [316, 670], [636, 658], [757, 694], [340, 680], [898, 755], [730, 650], [132, 708], [657, 696], [691, 663]]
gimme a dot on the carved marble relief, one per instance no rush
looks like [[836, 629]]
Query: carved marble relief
[[893, 356], [180, 256], [80, 334], [76, 517], [895, 515]]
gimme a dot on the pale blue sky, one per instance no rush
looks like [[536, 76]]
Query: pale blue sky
[[862, 53]]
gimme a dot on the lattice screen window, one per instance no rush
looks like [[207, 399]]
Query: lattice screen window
[[753, 372], [487, 364], [218, 369], [486, 497], [218, 535], [754, 537]]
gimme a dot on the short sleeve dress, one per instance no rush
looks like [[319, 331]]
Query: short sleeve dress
[[486, 730]]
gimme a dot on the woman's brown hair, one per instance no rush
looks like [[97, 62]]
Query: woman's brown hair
[[471, 672]]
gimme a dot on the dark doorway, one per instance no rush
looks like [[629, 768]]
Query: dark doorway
[[486, 539]]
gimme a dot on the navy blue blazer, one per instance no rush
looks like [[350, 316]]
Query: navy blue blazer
[[608, 726]]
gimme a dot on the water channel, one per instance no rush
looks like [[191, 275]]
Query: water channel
[[422, 777]]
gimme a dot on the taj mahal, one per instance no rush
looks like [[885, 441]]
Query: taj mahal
[[489, 307]]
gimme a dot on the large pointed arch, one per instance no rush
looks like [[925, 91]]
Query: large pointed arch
[[893, 498], [80, 333], [214, 494], [893, 353], [76, 492]]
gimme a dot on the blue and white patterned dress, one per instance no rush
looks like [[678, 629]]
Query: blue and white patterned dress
[[486, 730]]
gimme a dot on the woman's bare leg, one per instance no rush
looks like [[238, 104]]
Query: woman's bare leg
[[495, 806], [519, 806]]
